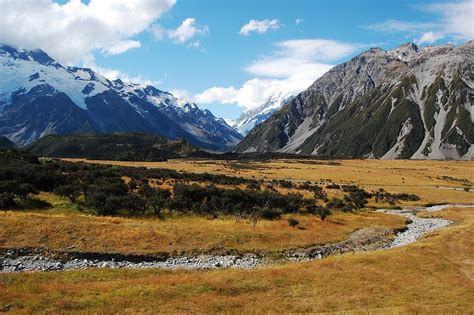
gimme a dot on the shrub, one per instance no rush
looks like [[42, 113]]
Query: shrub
[[292, 222]]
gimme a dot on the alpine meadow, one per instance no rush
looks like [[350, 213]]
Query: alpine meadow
[[237, 157]]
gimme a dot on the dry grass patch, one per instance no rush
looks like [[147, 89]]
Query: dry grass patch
[[178, 234], [432, 276], [428, 179]]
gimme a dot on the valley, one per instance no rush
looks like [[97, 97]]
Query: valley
[[179, 241], [236, 157]]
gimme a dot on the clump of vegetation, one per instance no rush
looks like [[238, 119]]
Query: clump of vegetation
[[383, 196], [293, 222], [129, 191]]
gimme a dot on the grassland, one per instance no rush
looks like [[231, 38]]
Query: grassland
[[71, 230], [432, 276], [433, 181]]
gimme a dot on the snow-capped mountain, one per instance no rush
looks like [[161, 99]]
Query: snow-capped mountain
[[251, 118], [39, 96], [409, 102]]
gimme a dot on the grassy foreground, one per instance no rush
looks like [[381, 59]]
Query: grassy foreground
[[64, 228], [434, 275]]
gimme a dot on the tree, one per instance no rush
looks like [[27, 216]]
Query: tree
[[68, 191], [323, 212]]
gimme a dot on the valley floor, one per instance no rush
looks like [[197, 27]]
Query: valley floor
[[433, 181], [433, 275]]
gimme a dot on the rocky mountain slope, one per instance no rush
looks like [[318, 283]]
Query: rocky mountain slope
[[251, 118], [113, 146], [409, 102], [39, 96]]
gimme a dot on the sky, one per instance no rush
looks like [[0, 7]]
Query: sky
[[227, 56]]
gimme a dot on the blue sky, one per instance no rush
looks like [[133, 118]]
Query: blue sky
[[197, 50]]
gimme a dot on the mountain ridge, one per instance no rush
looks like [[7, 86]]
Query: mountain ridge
[[39, 96], [408, 102]]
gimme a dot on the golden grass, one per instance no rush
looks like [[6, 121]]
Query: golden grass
[[423, 178], [178, 234], [432, 276]]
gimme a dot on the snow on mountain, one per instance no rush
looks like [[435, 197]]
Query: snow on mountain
[[251, 118], [39, 96]]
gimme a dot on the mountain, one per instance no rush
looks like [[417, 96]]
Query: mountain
[[39, 96], [251, 118], [5, 143], [113, 146], [409, 102]]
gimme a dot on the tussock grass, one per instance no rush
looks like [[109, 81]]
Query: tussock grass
[[432, 276], [182, 234], [423, 178]]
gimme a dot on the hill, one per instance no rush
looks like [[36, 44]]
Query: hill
[[113, 146]]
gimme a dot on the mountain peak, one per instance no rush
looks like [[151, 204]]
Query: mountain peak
[[406, 51], [37, 55]]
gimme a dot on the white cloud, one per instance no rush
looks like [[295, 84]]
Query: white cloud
[[217, 94], [455, 21], [122, 47], [292, 67], [195, 44], [70, 32], [114, 74], [429, 37], [457, 18], [298, 21], [400, 26], [183, 34], [259, 27], [181, 94], [187, 30]]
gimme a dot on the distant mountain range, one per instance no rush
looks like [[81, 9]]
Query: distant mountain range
[[251, 118], [113, 146], [409, 102], [39, 96]]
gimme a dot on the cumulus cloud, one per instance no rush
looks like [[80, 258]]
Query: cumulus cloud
[[455, 21], [259, 27], [69, 32], [183, 34], [293, 66], [187, 30]]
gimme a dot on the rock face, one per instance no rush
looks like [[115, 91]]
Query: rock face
[[39, 96], [409, 102]]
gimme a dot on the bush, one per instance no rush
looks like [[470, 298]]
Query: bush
[[292, 222], [269, 214]]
